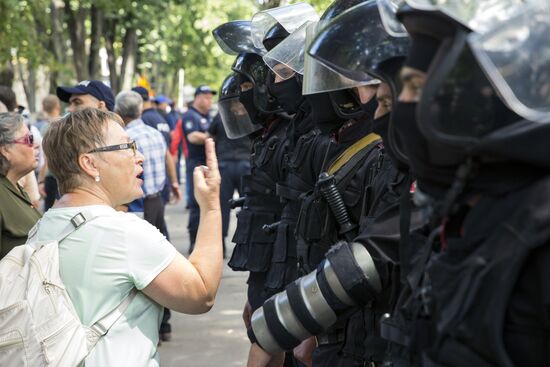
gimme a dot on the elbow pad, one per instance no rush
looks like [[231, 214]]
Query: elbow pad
[[345, 279]]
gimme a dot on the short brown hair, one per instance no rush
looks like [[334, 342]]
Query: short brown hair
[[50, 103], [67, 138]]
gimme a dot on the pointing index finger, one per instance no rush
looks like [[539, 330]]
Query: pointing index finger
[[210, 150]]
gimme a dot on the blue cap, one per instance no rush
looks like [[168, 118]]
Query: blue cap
[[204, 89], [94, 88], [143, 92], [161, 98]]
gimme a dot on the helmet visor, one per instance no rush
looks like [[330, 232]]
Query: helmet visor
[[235, 119], [290, 17], [317, 77], [287, 58], [476, 15], [515, 57], [361, 40]]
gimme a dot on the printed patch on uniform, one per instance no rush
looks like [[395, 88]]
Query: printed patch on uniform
[[189, 125]]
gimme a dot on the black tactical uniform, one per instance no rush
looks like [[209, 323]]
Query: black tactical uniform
[[254, 246], [482, 300], [307, 150]]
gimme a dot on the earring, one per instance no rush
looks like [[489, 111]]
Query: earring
[[97, 178]]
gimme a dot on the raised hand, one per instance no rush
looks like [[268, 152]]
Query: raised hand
[[207, 180]]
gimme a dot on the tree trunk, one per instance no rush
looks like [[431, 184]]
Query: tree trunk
[[95, 42], [77, 33], [129, 51], [28, 79], [56, 13], [110, 37]]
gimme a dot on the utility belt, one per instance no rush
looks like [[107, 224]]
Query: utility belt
[[252, 185]]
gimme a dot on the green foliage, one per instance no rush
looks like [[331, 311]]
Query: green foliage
[[171, 34]]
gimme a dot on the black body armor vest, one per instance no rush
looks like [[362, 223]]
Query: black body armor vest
[[254, 246]]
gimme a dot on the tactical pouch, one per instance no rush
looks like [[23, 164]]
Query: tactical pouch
[[283, 268], [313, 219], [253, 245], [264, 152]]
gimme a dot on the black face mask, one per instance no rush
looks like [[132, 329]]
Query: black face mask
[[322, 112], [370, 107], [288, 93], [433, 164], [247, 99], [381, 126]]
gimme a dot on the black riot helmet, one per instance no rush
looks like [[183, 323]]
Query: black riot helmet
[[459, 106], [369, 50], [235, 37], [345, 101], [338, 7], [318, 79], [234, 115], [256, 71]]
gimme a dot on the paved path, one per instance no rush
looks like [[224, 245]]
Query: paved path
[[217, 338]]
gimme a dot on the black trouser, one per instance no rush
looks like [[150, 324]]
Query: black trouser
[[52, 193], [153, 212], [194, 210]]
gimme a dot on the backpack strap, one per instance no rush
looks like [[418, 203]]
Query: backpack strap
[[102, 326], [76, 222]]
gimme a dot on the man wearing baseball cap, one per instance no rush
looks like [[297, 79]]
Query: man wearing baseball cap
[[195, 124], [87, 93]]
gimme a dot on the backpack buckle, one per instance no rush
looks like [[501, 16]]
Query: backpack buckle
[[78, 220]]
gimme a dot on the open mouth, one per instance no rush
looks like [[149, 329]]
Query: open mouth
[[140, 175]]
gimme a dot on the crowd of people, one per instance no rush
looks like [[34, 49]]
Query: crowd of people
[[391, 163]]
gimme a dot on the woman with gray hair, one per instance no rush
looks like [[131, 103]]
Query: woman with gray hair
[[99, 168], [18, 157]]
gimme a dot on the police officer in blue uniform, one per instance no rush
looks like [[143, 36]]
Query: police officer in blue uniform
[[196, 122]]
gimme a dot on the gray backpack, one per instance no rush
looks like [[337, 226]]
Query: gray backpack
[[39, 325]]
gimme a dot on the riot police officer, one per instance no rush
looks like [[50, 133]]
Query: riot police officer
[[485, 303]]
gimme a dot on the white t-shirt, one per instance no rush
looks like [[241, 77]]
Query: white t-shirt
[[100, 263]]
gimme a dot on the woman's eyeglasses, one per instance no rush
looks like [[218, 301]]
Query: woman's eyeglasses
[[27, 140], [111, 148]]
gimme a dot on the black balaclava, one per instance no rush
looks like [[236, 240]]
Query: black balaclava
[[370, 107], [381, 126], [433, 164], [323, 113], [288, 93]]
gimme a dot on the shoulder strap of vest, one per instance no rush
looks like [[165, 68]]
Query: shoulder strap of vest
[[350, 158], [356, 148]]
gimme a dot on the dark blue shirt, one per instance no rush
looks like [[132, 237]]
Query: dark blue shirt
[[172, 118], [194, 121], [153, 118]]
